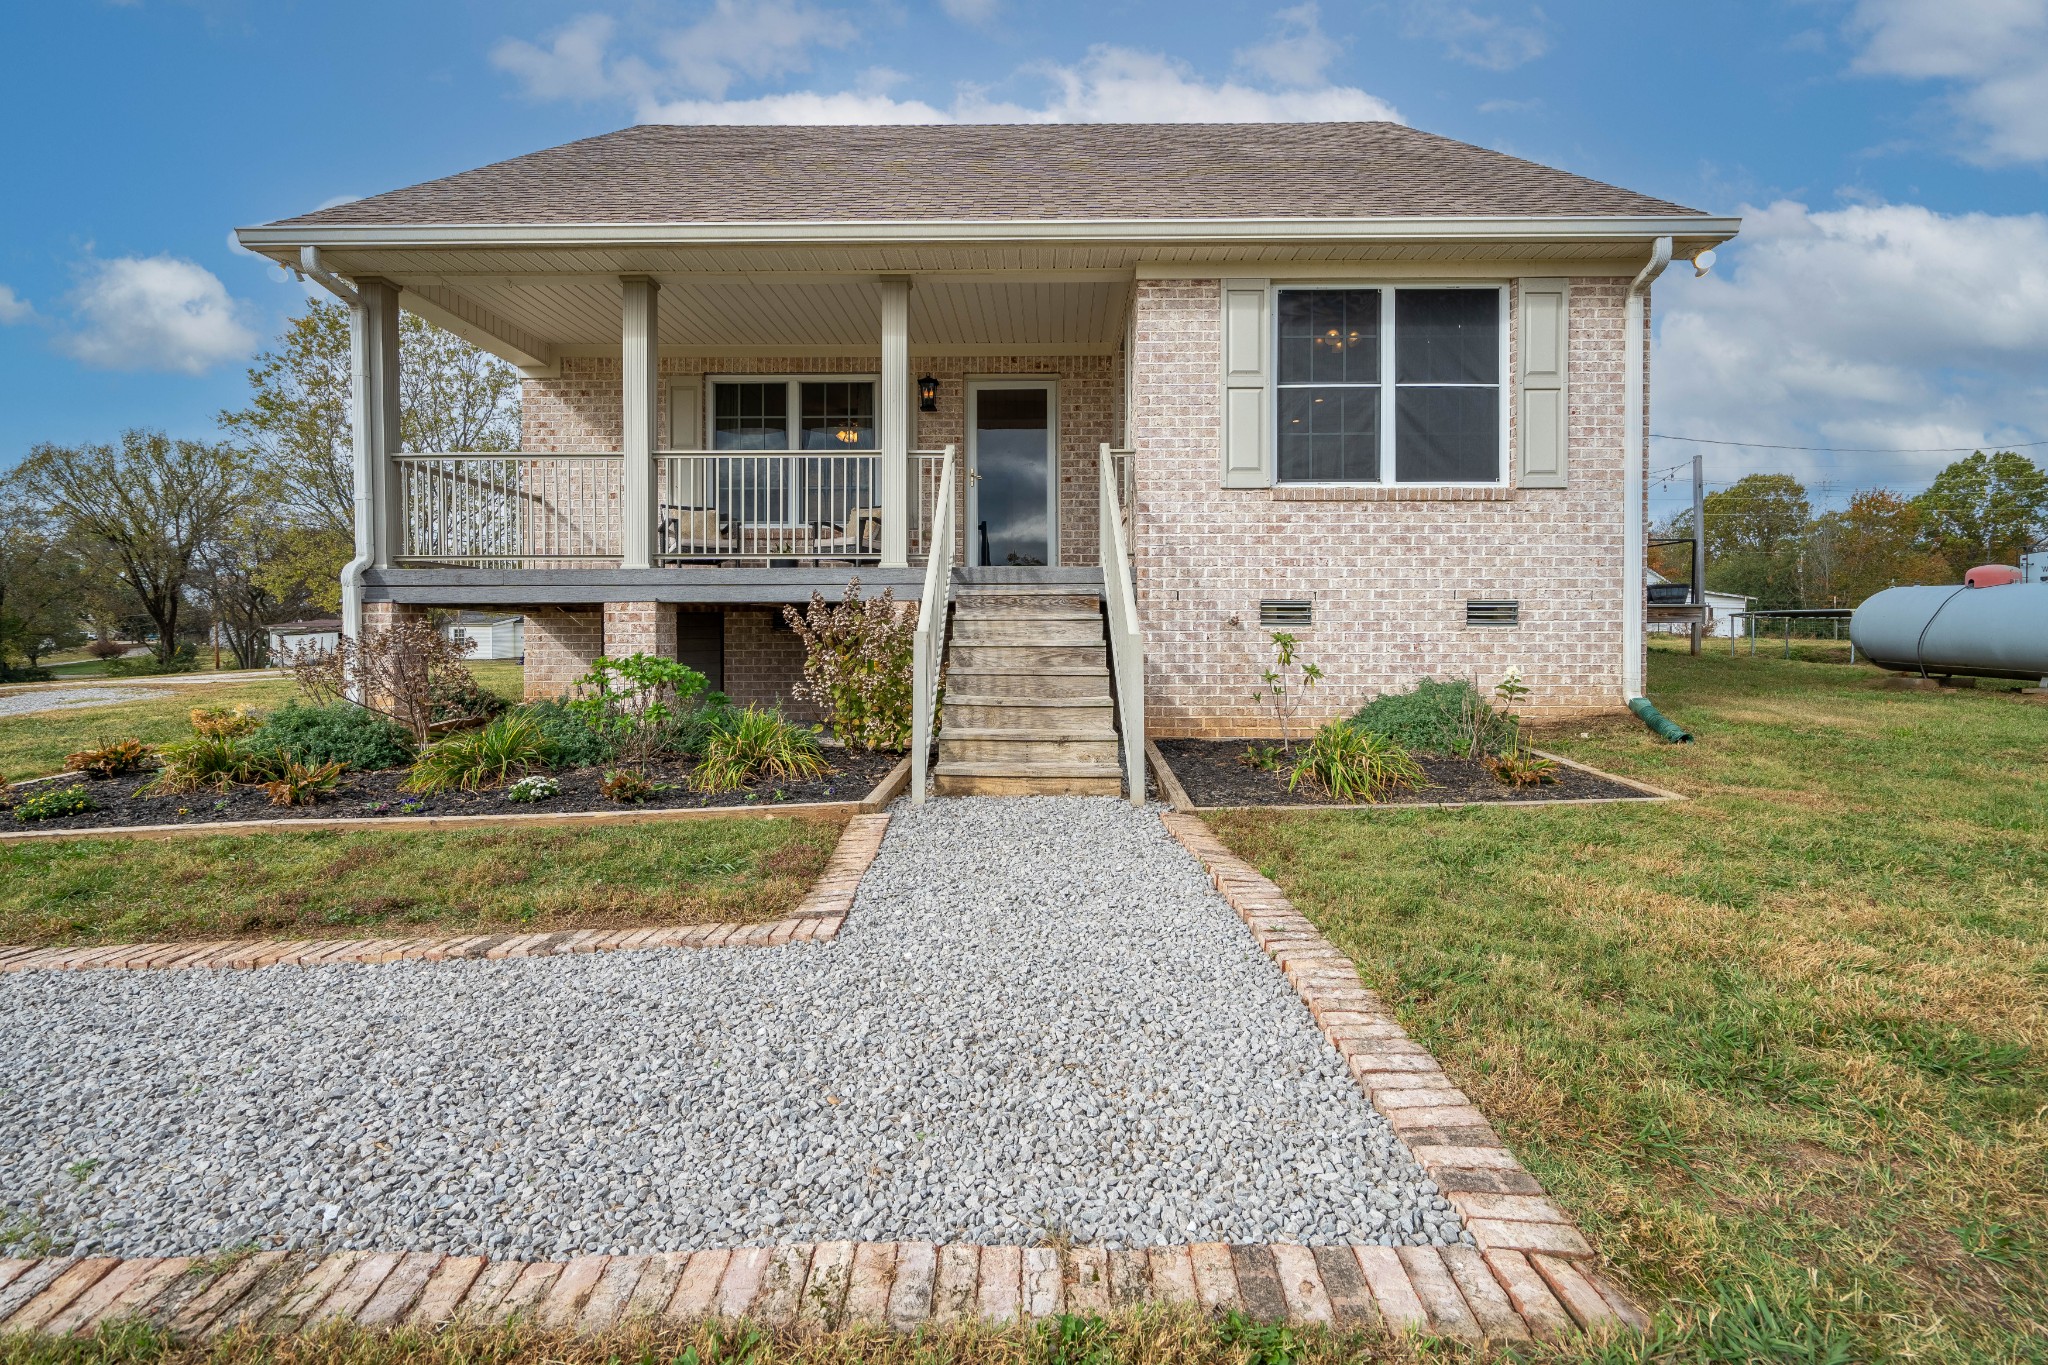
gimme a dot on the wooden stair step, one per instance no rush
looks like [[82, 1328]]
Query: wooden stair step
[[1026, 703], [1053, 732]]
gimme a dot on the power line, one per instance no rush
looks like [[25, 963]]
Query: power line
[[1852, 450]]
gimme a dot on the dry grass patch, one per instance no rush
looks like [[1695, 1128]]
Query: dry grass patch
[[1783, 1046], [374, 882]]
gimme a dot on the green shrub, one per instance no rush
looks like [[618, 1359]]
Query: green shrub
[[218, 761], [1350, 764], [185, 659], [627, 786], [631, 701], [571, 740], [339, 732], [14, 673], [49, 805], [758, 744], [688, 733], [490, 757], [462, 697], [1447, 717], [857, 665]]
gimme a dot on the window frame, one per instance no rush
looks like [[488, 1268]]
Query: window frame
[[793, 419], [1389, 388]]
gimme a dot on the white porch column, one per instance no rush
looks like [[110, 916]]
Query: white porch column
[[892, 419], [373, 413], [640, 344]]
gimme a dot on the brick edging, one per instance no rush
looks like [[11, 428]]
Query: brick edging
[[1441, 1291], [817, 917], [1527, 1242]]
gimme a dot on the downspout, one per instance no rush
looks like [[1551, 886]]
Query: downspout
[[1635, 363], [309, 267]]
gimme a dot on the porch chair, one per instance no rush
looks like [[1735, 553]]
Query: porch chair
[[692, 532], [862, 533]]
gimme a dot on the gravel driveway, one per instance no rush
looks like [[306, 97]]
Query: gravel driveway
[[1040, 1021], [68, 698]]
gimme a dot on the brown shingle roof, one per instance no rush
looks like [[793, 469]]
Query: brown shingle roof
[[659, 173]]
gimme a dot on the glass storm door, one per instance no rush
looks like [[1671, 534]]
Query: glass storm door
[[1010, 475]]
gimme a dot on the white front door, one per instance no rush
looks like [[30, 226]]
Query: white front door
[[1013, 483]]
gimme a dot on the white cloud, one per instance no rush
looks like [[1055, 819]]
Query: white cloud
[[1298, 54], [1482, 40], [731, 40], [155, 313], [1993, 52], [1888, 326], [971, 11], [1108, 85], [13, 307]]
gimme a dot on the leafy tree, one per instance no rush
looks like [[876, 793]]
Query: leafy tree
[[1756, 530], [150, 506], [39, 580], [1985, 509], [452, 396], [1872, 544]]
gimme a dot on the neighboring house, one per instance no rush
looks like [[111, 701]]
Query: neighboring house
[[1375, 387], [495, 637], [1724, 608], [301, 637]]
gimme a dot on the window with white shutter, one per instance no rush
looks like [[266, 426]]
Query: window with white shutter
[[1247, 348]]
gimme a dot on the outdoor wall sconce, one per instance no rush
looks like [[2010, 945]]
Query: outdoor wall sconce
[[927, 394]]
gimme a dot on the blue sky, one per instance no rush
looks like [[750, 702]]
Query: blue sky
[[1891, 291]]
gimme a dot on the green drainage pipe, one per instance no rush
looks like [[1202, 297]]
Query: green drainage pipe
[[1660, 725]]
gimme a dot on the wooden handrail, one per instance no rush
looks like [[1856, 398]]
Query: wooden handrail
[[928, 642], [1126, 642]]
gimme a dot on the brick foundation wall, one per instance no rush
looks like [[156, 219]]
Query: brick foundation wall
[[763, 663], [1389, 572], [640, 628], [560, 644]]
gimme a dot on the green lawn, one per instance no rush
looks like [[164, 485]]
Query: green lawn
[[1783, 1049], [376, 883], [33, 744]]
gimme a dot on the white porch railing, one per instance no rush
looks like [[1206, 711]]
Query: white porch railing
[[718, 505], [928, 643], [516, 510], [1120, 599]]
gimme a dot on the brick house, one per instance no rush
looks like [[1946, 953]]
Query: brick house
[[1378, 388]]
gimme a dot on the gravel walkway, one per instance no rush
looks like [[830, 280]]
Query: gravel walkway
[[1039, 1022], [68, 699]]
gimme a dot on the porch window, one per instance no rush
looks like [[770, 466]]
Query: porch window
[[793, 414], [815, 420], [1346, 354]]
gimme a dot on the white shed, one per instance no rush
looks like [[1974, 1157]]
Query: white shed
[[1726, 606], [495, 637], [301, 637]]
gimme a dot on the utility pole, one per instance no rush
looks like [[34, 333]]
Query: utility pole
[[1699, 550]]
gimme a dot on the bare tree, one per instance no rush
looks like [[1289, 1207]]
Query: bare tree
[[150, 504]]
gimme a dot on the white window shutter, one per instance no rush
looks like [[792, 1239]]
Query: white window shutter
[[1247, 356], [1543, 349], [686, 416]]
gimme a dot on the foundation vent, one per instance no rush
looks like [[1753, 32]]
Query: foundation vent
[[1493, 613], [1279, 613]]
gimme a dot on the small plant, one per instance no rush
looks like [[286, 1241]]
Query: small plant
[[857, 665], [571, 740], [218, 763], [759, 744], [1263, 758], [221, 722], [482, 758], [338, 732], [528, 790], [1517, 764], [298, 784], [52, 805], [631, 702], [411, 807], [1351, 764], [110, 760], [1279, 684], [627, 786]]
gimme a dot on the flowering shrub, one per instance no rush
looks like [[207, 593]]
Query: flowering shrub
[[528, 790], [857, 666], [49, 805]]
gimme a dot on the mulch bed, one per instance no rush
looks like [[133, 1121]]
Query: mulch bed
[[1210, 771], [360, 795]]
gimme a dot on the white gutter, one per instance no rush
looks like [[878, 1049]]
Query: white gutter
[[291, 236], [309, 267], [1635, 363]]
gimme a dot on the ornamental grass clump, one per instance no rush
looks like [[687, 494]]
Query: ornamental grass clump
[[857, 666], [490, 757], [223, 722], [217, 762], [1350, 764], [758, 744], [302, 784], [110, 760]]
